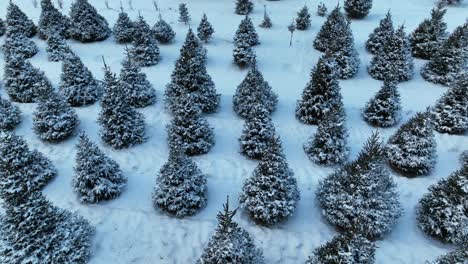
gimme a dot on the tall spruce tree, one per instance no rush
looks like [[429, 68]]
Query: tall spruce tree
[[253, 90], [320, 93], [163, 31], [10, 115], [329, 145], [246, 32], [18, 44], [334, 24], [123, 28], [205, 29], [77, 83], [18, 23], [412, 149], [145, 50], [450, 59], [243, 7], [52, 21], [384, 109], [272, 205], [121, 125], [451, 111], [303, 19], [97, 177], [230, 243], [87, 25], [54, 119], [189, 130], [184, 15], [266, 22], [381, 34], [428, 37], [361, 196], [2, 27], [357, 8], [181, 188], [345, 248], [57, 48]]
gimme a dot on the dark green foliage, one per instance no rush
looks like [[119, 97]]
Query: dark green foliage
[[52, 21], [2, 27], [87, 25], [184, 15], [18, 23], [17, 44], [145, 50], [303, 18], [246, 32], [266, 22], [57, 49], [321, 9], [205, 30], [380, 35], [163, 31], [123, 28], [384, 109], [243, 7], [10, 115], [357, 8]]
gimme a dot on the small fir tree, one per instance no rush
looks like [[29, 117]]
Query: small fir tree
[[87, 25], [18, 23], [384, 109], [266, 22], [2, 27], [52, 21], [345, 54], [243, 7], [303, 19], [322, 9], [243, 53], [10, 115], [17, 44], [357, 8], [163, 31], [184, 15], [205, 30], [334, 24], [57, 49], [380, 35], [123, 28], [246, 32], [459, 255], [145, 50]]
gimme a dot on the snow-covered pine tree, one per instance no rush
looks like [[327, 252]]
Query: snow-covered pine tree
[[429, 36], [139, 91], [188, 129], [121, 125], [464, 159], [97, 177], [384, 109], [329, 145], [452, 2], [145, 50], [22, 171], [381, 34], [246, 32], [123, 28], [190, 77], [257, 133], [77, 83], [394, 56], [230, 243], [320, 93], [343, 49], [18, 44], [10, 115], [451, 111], [303, 18], [243, 7], [334, 24], [2, 27], [18, 23], [23, 82], [87, 25], [357, 8], [253, 90], [54, 119], [52, 21], [243, 53], [266, 22], [322, 9], [184, 15], [272, 205], [361, 196], [412, 149], [345, 248], [181, 188], [163, 31], [57, 47], [450, 59], [459, 255], [205, 30]]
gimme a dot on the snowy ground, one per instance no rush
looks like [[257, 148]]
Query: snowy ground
[[129, 230]]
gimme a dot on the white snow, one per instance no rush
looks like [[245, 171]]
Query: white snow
[[130, 230]]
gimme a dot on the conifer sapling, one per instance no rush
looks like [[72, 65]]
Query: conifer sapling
[[163, 31], [205, 30]]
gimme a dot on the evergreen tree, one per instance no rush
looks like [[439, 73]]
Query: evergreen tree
[[97, 177], [52, 21], [243, 7], [428, 37], [121, 125], [452, 2], [384, 109], [322, 9], [181, 188], [271, 194], [395, 57], [252, 91], [334, 24], [190, 77], [87, 25], [57, 49], [23, 82], [266, 22], [361, 196], [459, 255], [412, 149], [329, 145], [441, 213], [451, 111], [54, 119], [10, 115], [347, 248], [139, 91], [230, 243], [145, 50], [258, 132], [380, 35], [243, 53], [346, 56], [464, 159], [163, 31], [184, 15], [450, 59], [123, 28], [189, 130], [205, 30], [246, 32], [18, 44], [2, 27], [357, 8], [77, 83], [320, 93], [291, 29], [303, 18], [18, 23]]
